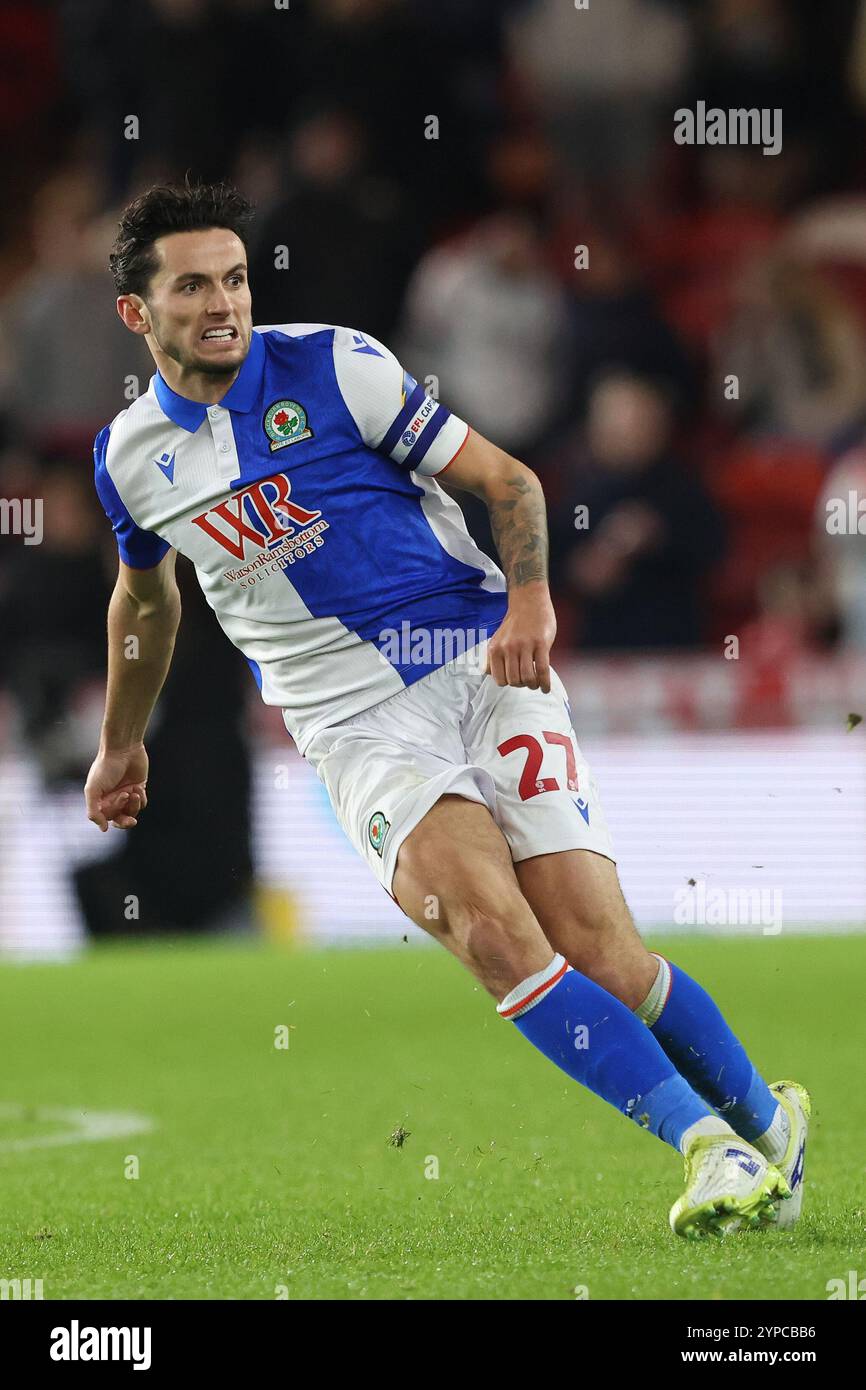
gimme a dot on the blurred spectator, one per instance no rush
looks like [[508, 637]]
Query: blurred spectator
[[487, 317], [793, 616], [772, 54], [523, 172], [32, 125], [793, 621], [768, 490], [831, 231], [70, 352], [53, 598], [616, 322], [796, 345], [351, 237], [600, 76], [651, 532], [840, 544], [396, 65], [692, 254], [219, 67]]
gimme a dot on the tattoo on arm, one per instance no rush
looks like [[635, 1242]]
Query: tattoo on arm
[[518, 520]]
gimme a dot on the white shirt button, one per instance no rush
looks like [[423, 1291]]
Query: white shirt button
[[214, 412], [224, 448]]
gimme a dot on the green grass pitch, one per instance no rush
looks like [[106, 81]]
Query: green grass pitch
[[269, 1171]]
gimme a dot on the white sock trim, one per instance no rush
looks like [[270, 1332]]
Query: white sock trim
[[532, 990], [710, 1124], [650, 1011], [773, 1143]]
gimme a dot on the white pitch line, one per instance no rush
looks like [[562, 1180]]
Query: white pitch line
[[85, 1125]]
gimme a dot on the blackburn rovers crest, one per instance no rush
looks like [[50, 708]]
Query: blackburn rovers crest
[[285, 423], [377, 830]]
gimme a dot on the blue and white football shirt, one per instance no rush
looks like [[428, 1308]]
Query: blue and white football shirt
[[307, 502]]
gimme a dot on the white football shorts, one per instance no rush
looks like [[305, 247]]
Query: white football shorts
[[456, 731]]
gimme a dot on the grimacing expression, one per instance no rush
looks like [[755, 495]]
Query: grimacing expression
[[199, 303]]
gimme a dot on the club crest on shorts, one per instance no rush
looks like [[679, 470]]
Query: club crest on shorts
[[285, 423], [377, 830]]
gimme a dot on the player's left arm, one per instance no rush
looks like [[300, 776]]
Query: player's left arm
[[519, 651], [397, 418]]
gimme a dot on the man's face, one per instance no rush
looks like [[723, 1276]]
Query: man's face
[[198, 302]]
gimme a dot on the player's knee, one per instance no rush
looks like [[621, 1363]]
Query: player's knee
[[498, 939], [604, 945], [479, 920], [599, 929]]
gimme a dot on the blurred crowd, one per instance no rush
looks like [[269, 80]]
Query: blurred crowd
[[673, 336]]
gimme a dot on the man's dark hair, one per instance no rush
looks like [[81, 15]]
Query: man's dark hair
[[167, 208]]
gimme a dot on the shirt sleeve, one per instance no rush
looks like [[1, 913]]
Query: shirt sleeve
[[393, 413], [139, 549]]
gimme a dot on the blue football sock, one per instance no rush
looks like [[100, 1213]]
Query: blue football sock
[[696, 1038], [599, 1042]]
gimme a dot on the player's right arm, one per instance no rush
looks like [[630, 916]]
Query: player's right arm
[[143, 618]]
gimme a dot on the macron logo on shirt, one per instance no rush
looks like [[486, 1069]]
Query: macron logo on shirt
[[165, 464], [361, 345]]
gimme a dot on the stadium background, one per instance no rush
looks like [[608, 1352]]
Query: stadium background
[[728, 766]]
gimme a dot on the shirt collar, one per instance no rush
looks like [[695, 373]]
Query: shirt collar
[[241, 395]]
